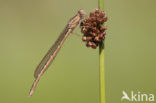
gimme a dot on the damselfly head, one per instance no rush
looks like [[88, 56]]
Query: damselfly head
[[81, 12], [93, 29]]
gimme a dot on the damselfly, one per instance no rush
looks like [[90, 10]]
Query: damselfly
[[51, 54]]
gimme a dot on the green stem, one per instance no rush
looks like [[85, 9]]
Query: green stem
[[102, 74], [101, 63], [101, 4]]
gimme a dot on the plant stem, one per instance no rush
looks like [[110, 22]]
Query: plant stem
[[101, 4], [101, 63]]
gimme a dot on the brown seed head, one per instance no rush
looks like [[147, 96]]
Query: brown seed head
[[93, 29]]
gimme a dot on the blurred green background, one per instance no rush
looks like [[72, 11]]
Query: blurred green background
[[28, 28]]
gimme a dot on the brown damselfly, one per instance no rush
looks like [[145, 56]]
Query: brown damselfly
[[51, 54]]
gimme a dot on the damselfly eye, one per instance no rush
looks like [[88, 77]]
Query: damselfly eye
[[93, 29], [81, 12]]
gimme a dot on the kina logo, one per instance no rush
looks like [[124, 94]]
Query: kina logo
[[137, 96]]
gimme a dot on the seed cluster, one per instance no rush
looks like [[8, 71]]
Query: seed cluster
[[91, 27]]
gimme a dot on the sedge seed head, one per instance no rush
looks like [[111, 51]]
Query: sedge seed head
[[93, 29]]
